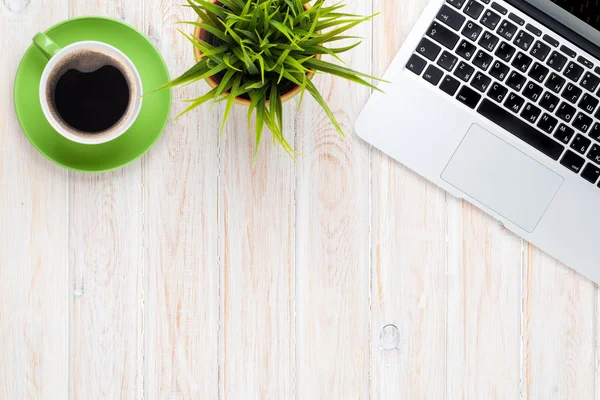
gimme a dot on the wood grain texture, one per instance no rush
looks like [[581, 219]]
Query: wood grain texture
[[597, 342], [408, 253], [34, 280], [106, 256], [484, 306], [192, 275], [560, 341], [258, 263], [332, 238], [182, 318]]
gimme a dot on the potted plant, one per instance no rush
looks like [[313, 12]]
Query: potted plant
[[260, 53]]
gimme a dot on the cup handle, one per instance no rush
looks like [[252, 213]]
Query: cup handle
[[46, 45]]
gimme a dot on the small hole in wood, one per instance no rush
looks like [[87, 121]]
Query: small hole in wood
[[389, 337], [16, 6]]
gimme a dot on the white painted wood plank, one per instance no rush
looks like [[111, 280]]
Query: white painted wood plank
[[258, 263], [34, 285], [408, 253], [105, 250], [182, 321], [332, 237], [105, 254], [559, 331], [484, 306], [597, 342], [408, 295]]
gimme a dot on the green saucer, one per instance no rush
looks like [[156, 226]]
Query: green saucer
[[132, 144]]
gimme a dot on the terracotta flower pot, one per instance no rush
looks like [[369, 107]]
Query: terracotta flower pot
[[204, 35]]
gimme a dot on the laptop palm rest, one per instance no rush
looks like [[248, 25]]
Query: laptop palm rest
[[502, 178]]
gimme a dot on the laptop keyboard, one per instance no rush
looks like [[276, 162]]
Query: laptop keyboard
[[508, 71]]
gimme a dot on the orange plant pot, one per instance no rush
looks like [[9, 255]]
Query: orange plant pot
[[203, 35]]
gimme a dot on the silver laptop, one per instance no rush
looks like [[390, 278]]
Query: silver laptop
[[497, 102]]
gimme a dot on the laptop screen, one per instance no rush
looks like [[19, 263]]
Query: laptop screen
[[581, 16]]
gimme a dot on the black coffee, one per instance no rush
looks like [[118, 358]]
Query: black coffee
[[92, 102]]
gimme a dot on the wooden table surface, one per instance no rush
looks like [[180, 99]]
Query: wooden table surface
[[191, 275]]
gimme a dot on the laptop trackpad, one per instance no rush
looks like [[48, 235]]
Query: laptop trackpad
[[502, 178]]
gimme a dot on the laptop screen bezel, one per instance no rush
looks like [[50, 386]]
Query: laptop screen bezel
[[550, 16]]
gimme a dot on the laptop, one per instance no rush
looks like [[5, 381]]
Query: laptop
[[497, 102]]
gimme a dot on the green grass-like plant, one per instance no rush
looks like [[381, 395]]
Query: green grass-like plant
[[259, 49]]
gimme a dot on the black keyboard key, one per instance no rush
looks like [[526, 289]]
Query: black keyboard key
[[451, 18], [433, 75], [464, 71], [514, 102], [555, 82], [468, 97], [416, 64], [473, 9], [520, 129], [595, 132], [582, 122], [449, 85], [566, 112], [428, 49], [551, 40], [490, 19], [557, 61], [594, 154], [456, 3], [540, 50], [481, 82], [547, 123], [523, 40], [471, 31], [447, 61], [597, 70], [532, 91], [442, 35], [590, 82], [568, 51], [581, 144], [482, 60], [499, 70], [549, 101], [531, 113], [571, 93], [533, 30], [507, 30], [505, 52], [588, 103], [488, 41], [515, 18], [586, 63], [591, 173], [564, 133], [466, 50], [538, 72], [573, 71], [497, 92], [499, 8], [522, 62], [515, 81], [572, 161]]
